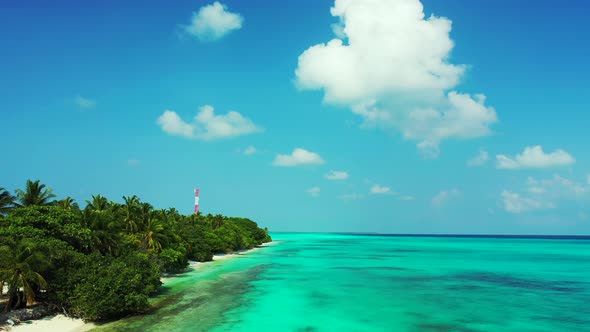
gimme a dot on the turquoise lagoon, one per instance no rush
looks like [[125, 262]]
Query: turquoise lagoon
[[331, 282]]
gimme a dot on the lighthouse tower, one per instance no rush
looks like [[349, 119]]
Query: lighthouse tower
[[196, 200]]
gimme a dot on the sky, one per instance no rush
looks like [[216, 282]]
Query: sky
[[389, 116]]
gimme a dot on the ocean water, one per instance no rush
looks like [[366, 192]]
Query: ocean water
[[330, 282]]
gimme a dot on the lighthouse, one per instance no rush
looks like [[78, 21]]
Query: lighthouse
[[196, 200]]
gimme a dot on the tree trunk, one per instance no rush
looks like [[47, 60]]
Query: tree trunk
[[16, 301]]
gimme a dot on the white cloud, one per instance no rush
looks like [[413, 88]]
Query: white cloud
[[380, 190], [444, 197], [133, 162], [536, 190], [544, 194], [207, 125], [85, 103], [298, 157], [351, 197], [250, 150], [314, 191], [391, 65], [479, 160], [173, 125], [210, 126], [213, 21], [534, 157], [563, 187], [407, 198], [336, 175], [515, 203]]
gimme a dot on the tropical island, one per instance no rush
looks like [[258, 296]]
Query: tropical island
[[103, 261]]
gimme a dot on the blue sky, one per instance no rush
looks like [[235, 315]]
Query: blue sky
[[101, 98]]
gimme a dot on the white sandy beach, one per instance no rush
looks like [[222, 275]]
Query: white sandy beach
[[220, 257], [61, 323], [58, 323]]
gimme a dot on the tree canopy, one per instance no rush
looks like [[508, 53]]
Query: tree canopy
[[103, 261]]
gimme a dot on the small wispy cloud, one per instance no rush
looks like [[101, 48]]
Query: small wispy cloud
[[250, 150], [380, 190], [336, 175], [351, 197], [515, 203], [298, 157], [479, 160], [84, 103], [314, 191], [133, 162], [444, 197], [545, 193]]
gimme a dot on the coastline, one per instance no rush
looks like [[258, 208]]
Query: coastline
[[62, 323]]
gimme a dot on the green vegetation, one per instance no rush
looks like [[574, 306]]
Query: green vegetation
[[104, 261]]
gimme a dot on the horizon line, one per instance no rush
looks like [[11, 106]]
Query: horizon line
[[459, 235]]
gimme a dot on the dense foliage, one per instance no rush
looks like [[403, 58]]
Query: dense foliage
[[105, 260]]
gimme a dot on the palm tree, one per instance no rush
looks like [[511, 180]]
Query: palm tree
[[218, 221], [98, 204], [6, 202], [173, 214], [105, 233], [19, 266], [35, 193], [154, 235], [98, 216], [68, 203], [144, 211], [131, 213]]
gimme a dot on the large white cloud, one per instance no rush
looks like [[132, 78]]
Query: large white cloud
[[391, 65], [298, 157], [207, 125], [213, 21], [534, 157], [336, 175]]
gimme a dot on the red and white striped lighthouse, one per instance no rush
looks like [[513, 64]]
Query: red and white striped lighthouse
[[196, 200]]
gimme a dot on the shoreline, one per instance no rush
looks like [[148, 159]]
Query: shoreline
[[217, 257], [62, 323]]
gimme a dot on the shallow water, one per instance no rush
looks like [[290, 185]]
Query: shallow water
[[329, 282]]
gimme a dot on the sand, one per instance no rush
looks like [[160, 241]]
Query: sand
[[58, 323]]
